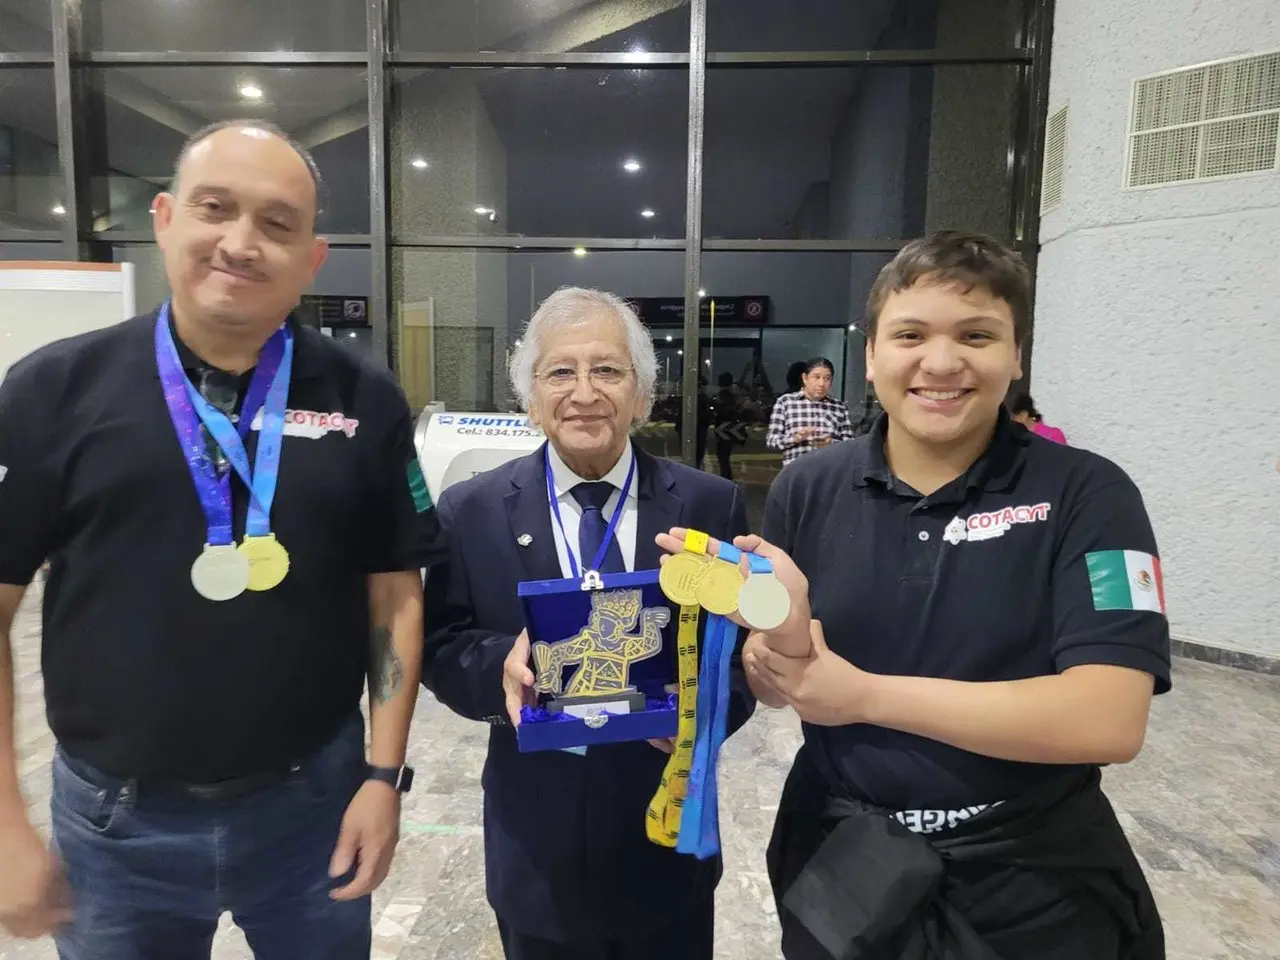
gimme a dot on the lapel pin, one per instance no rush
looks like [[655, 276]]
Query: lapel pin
[[524, 539]]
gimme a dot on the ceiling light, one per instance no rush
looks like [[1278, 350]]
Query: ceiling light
[[638, 48], [419, 162], [679, 353], [701, 292], [482, 211], [669, 338], [59, 210], [647, 213], [631, 165], [250, 91], [853, 326], [579, 251]]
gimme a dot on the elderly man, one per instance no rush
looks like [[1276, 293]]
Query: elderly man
[[571, 873], [232, 504]]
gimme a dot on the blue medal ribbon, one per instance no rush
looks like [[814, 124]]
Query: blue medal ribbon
[[268, 391], [700, 821], [613, 521]]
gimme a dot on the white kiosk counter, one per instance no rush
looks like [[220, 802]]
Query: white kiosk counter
[[456, 446]]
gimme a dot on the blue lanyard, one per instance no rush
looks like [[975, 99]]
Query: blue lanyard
[[188, 409], [613, 521]]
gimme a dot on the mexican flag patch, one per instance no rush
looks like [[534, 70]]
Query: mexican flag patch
[[1125, 580]]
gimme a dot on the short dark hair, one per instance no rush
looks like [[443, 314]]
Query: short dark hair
[[966, 260], [266, 126], [1020, 402]]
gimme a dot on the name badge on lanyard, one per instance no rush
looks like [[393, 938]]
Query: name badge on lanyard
[[223, 570]]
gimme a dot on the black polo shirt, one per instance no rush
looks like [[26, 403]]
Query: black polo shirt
[[142, 676], [903, 587]]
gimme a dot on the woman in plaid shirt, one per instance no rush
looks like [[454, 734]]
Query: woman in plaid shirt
[[809, 419]]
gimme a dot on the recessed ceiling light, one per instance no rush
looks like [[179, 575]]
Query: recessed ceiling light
[[250, 91], [631, 165], [59, 210], [679, 353], [579, 251], [853, 326], [669, 338], [647, 213], [419, 162], [701, 292]]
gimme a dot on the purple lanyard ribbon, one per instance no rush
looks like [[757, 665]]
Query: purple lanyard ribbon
[[187, 410]]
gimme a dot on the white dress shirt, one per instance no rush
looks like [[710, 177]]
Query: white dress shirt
[[564, 480]]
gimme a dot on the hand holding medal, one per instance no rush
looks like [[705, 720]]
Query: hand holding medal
[[752, 582]]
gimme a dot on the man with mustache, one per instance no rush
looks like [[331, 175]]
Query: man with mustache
[[236, 520]]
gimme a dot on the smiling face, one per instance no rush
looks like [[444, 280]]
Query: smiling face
[[585, 394], [942, 361], [238, 232]]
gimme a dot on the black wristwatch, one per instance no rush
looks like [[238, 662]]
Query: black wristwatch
[[400, 778]]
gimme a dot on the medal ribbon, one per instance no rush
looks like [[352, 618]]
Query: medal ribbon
[[269, 390], [662, 820], [613, 521]]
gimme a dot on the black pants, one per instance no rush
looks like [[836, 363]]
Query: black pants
[[724, 453], [692, 938]]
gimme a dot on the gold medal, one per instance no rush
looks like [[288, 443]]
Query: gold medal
[[679, 576], [717, 590], [268, 561]]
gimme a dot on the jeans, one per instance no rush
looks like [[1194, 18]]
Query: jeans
[[151, 872]]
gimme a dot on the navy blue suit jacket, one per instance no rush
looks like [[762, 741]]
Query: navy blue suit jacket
[[566, 854]]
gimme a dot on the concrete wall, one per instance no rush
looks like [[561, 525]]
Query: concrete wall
[[1157, 342]]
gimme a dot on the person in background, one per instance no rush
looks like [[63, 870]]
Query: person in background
[[1023, 410], [809, 419], [728, 417], [569, 870]]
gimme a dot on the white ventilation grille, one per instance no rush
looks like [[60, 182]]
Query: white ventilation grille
[[1202, 123], [1055, 160]]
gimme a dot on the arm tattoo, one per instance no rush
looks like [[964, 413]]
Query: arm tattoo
[[386, 672]]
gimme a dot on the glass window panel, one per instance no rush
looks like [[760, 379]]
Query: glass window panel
[[456, 314], [954, 26], [163, 25], [865, 153], [542, 26], [30, 250], [25, 26], [30, 178], [535, 152], [141, 116]]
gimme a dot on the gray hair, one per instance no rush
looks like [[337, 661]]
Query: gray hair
[[266, 126], [570, 306]]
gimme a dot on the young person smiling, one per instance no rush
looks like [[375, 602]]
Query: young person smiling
[[977, 627]]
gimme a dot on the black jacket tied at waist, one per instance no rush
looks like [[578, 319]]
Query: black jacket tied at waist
[[1047, 875]]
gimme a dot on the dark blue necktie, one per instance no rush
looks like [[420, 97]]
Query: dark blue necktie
[[593, 526]]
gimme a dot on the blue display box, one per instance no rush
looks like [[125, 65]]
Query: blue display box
[[614, 650]]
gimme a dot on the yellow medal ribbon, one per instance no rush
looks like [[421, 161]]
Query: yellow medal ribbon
[[662, 820]]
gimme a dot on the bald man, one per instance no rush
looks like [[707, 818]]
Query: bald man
[[235, 521]]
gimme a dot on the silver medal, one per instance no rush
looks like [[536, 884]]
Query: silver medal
[[763, 602], [220, 573]]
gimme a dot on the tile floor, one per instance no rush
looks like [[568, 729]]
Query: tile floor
[[1201, 805]]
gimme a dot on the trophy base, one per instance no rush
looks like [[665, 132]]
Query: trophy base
[[588, 706]]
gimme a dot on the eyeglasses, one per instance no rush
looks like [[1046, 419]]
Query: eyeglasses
[[599, 375]]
